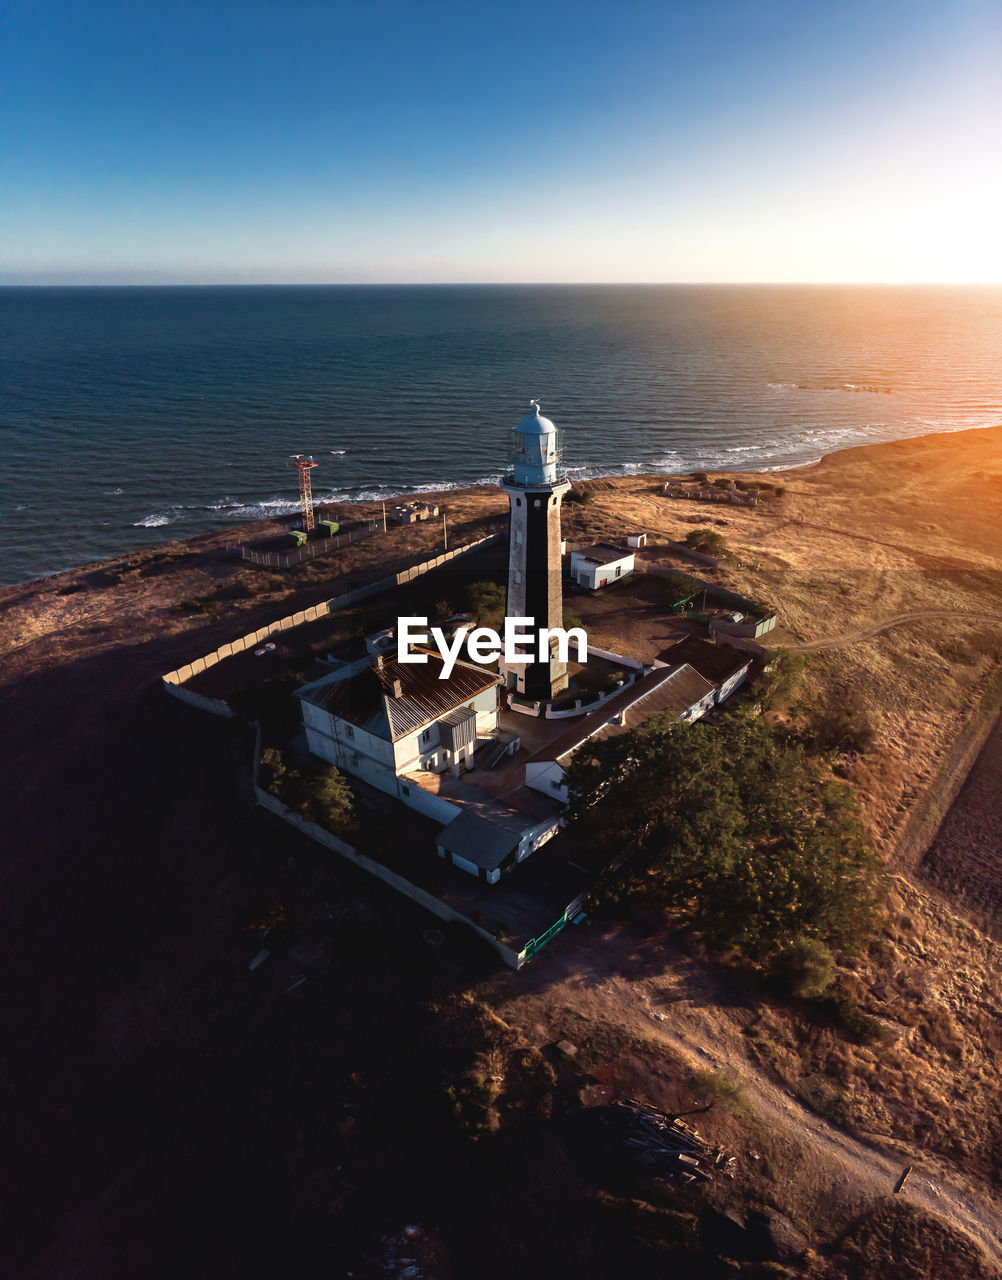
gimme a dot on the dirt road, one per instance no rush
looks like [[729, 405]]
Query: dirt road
[[681, 1006], [885, 624]]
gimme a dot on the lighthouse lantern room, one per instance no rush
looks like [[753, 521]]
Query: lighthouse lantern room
[[535, 487]]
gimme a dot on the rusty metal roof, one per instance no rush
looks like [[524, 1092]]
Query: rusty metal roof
[[604, 553], [677, 690], [714, 662], [367, 698]]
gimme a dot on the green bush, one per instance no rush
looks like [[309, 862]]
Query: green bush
[[807, 966], [706, 540], [850, 1018], [579, 494], [844, 730]]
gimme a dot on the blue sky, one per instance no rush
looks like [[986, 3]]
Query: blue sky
[[722, 141]]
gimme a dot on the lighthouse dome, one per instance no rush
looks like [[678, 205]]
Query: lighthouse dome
[[534, 424]]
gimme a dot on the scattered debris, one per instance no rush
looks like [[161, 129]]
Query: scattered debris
[[666, 1143], [903, 1179], [259, 959], [568, 1049]]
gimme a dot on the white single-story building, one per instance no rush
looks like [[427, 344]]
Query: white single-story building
[[598, 565], [679, 690], [487, 842], [636, 539]]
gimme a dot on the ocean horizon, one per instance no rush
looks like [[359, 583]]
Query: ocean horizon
[[134, 414]]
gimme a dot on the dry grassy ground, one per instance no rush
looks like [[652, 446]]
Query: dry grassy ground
[[158, 1098]]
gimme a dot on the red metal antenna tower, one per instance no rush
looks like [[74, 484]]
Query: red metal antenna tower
[[304, 464]]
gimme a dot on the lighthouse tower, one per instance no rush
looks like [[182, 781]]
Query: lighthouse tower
[[535, 488]]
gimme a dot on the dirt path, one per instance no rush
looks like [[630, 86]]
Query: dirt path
[[870, 1169], [874, 629], [679, 1007]]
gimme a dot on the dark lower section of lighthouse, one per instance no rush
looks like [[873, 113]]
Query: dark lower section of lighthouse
[[543, 594]]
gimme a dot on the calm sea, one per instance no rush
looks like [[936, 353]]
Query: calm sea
[[133, 415]]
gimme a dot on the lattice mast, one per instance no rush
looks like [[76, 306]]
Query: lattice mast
[[304, 464]]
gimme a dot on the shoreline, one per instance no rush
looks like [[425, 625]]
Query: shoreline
[[243, 532]]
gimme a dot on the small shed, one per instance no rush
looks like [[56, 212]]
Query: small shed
[[598, 565], [636, 539], [478, 846]]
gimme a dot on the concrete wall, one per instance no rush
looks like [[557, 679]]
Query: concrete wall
[[422, 897], [535, 837], [173, 680], [432, 806], [214, 706], [629, 664]]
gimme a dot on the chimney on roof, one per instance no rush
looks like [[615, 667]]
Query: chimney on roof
[[397, 689]]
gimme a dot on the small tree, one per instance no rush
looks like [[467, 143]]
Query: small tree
[[487, 603], [679, 586], [807, 966], [706, 540], [779, 676], [328, 800]]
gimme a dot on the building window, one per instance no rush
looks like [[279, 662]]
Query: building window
[[405, 790], [349, 732], [426, 737], [518, 502], [619, 570]]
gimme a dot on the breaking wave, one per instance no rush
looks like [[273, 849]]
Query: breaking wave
[[157, 518]]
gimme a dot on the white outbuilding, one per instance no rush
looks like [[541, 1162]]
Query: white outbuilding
[[598, 565]]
